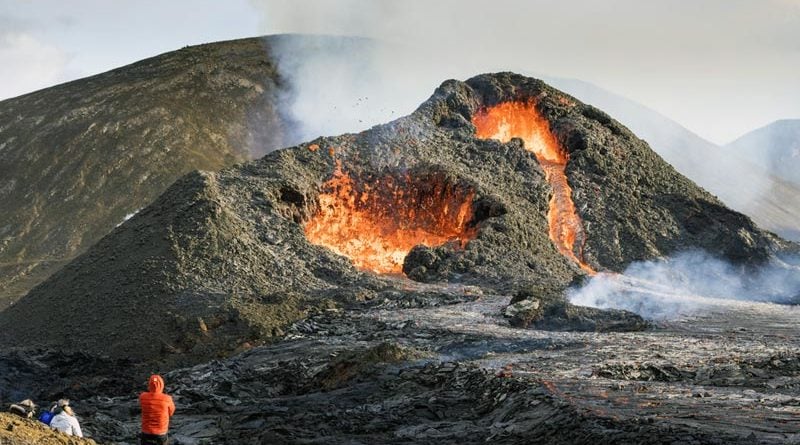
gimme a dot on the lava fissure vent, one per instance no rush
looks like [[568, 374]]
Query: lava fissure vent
[[509, 120], [378, 220]]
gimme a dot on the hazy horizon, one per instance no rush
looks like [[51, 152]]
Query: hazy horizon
[[719, 68]]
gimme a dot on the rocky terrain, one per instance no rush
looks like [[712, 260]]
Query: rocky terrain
[[266, 337], [221, 260], [422, 371], [103, 147]]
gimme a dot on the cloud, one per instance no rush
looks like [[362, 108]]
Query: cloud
[[688, 283], [28, 63]]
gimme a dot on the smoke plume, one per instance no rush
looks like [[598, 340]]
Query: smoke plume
[[690, 282]]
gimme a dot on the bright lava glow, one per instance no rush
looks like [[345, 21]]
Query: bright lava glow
[[377, 222], [521, 120]]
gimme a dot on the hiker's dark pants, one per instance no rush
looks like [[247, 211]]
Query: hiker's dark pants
[[153, 439]]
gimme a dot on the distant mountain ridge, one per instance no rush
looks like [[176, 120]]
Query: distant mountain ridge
[[758, 191], [775, 147]]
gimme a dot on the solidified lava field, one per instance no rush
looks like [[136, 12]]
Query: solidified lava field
[[425, 370]]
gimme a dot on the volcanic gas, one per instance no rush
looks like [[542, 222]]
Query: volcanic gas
[[378, 220], [509, 120]]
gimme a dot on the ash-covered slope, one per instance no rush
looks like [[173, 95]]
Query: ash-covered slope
[[75, 159], [222, 259]]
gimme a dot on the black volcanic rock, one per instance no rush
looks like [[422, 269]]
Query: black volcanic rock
[[221, 260]]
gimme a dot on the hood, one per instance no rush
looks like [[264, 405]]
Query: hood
[[155, 384]]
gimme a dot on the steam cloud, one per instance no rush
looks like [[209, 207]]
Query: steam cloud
[[650, 51], [347, 84], [690, 282], [19, 47]]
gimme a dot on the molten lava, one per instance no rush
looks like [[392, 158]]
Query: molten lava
[[521, 120], [378, 221]]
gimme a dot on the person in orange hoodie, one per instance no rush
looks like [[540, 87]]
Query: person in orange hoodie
[[157, 408]]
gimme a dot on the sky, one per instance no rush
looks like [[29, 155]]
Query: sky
[[719, 67]]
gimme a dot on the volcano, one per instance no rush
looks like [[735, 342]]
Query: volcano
[[501, 184]]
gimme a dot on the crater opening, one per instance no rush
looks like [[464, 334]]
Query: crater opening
[[376, 220]]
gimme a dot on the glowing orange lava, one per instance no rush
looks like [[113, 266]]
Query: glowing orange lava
[[521, 120], [376, 222]]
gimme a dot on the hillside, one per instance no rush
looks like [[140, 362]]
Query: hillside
[[77, 159], [225, 259], [775, 147], [103, 147], [15, 430]]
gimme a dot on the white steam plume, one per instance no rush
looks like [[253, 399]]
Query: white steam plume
[[343, 84], [687, 283]]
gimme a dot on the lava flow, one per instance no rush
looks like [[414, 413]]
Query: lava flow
[[521, 120], [378, 221]]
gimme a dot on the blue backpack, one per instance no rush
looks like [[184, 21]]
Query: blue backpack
[[46, 416]]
